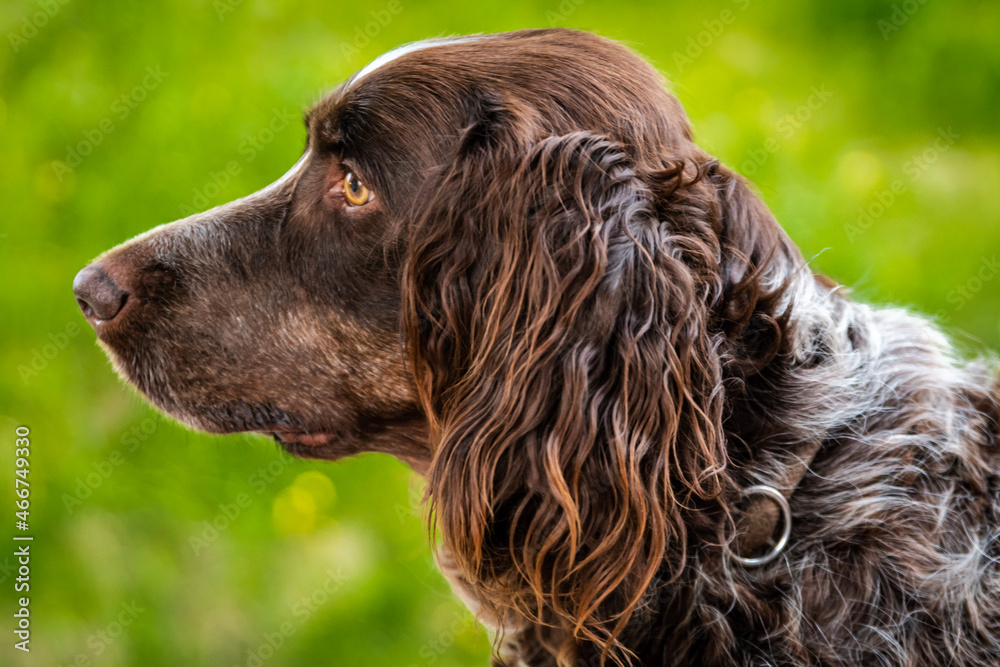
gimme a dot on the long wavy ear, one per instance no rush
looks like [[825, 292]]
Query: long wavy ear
[[559, 338]]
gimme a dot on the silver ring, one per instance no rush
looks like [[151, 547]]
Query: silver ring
[[786, 513]]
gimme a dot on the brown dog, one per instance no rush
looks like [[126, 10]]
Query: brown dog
[[503, 260]]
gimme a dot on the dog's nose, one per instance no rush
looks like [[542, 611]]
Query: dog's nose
[[99, 296]]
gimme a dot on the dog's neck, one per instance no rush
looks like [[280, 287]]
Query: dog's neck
[[855, 378]]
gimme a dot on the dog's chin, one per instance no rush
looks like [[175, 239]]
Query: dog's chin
[[315, 443], [292, 434], [299, 437], [323, 446], [403, 433], [405, 437], [309, 440]]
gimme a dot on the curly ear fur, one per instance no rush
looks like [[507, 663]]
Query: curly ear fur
[[560, 339]]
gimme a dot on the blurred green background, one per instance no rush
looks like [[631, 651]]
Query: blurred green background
[[869, 126]]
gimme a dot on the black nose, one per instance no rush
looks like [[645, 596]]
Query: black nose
[[99, 297]]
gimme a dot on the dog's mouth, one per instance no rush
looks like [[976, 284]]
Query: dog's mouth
[[402, 435], [296, 434], [323, 444], [285, 437], [326, 437]]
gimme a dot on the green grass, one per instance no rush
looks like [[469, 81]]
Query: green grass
[[835, 122]]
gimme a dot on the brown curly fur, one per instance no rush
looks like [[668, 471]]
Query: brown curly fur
[[590, 336]]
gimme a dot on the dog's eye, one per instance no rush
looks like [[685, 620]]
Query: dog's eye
[[356, 192]]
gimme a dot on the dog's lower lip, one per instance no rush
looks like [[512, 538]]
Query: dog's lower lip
[[308, 439]]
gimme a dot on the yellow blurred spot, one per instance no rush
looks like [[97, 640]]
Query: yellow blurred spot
[[860, 172], [299, 508], [319, 487]]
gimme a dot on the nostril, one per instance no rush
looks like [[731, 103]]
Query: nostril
[[97, 294], [88, 312]]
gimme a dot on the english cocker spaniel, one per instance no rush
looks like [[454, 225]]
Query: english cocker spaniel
[[651, 435]]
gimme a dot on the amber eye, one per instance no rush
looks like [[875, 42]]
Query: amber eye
[[355, 191]]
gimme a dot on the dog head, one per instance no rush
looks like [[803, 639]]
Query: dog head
[[503, 260]]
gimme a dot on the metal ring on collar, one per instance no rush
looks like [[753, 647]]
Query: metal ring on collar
[[786, 532]]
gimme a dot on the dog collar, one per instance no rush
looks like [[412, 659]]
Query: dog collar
[[768, 509]]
